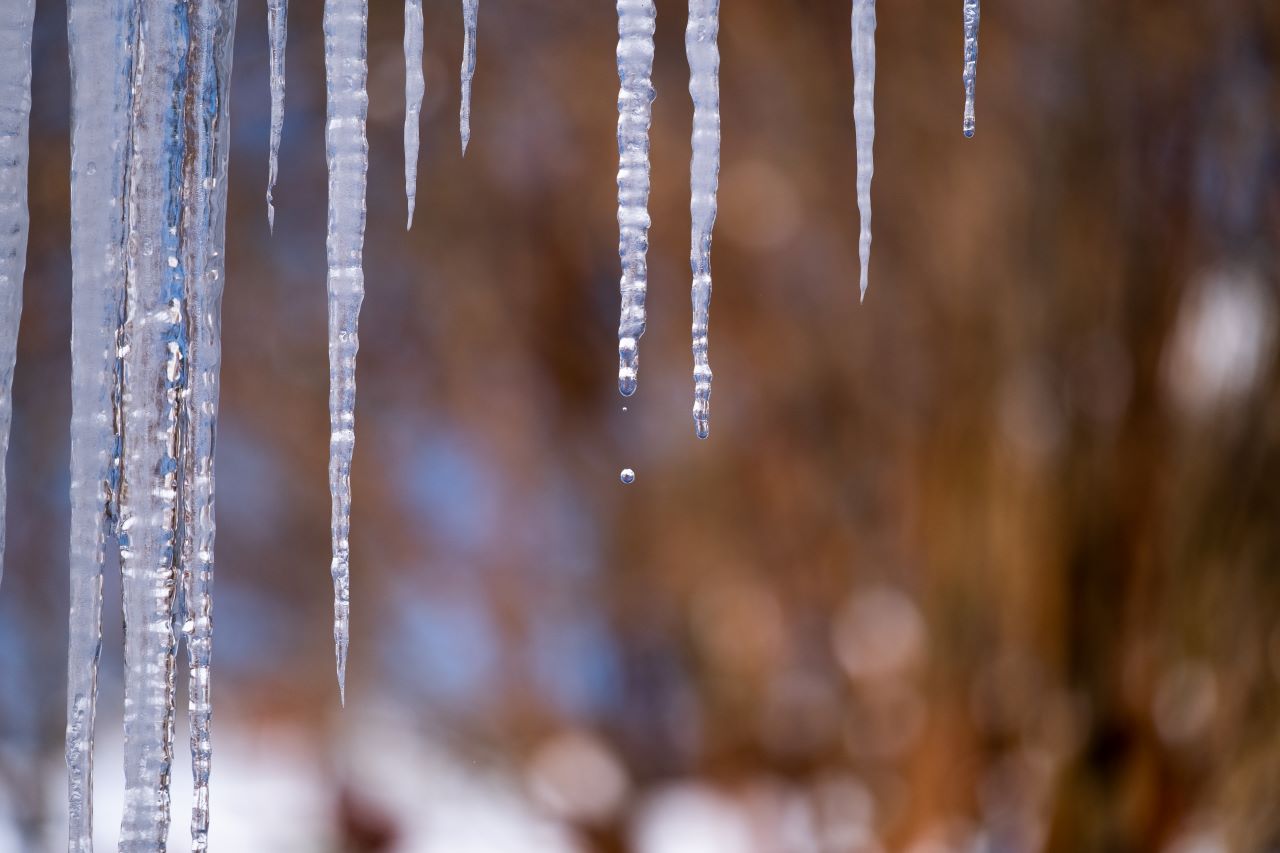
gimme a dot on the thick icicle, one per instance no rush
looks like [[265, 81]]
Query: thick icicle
[[278, 31], [346, 69], [470, 17], [704, 86], [16, 17], [155, 349], [100, 34], [637, 20], [972, 13], [203, 239], [864, 121], [413, 89]]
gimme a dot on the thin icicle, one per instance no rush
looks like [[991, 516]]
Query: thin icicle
[[155, 349], [864, 121], [637, 20], [203, 239], [413, 89], [16, 17], [100, 35], [470, 18], [704, 86], [278, 30], [346, 69], [972, 13]]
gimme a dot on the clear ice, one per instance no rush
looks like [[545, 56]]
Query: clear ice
[[100, 34], [637, 20], [16, 18], [203, 239], [864, 122], [972, 14], [346, 71], [278, 33], [701, 47], [470, 21], [156, 350], [414, 87]]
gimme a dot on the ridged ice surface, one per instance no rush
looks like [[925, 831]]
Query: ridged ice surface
[[864, 122], [100, 33], [414, 86], [700, 43], [16, 17], [637, 20], [278, 34], [156, 347], [470, 22], [202, 236], [346, 69], [972, 14]]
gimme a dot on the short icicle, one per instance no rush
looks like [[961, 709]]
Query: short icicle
[[156, 350], [470, 23], [346, 70], [637, 20], [278, 33], [864, 122], [100, 35], [972, 14], [414, 86], [202, 235], [704, 86], [16, 18]]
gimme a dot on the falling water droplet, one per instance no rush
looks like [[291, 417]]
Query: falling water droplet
[[628, 476]]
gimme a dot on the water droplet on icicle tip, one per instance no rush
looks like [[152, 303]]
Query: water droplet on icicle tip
[[627, 476]]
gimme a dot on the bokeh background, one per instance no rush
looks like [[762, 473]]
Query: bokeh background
[[987, 563]]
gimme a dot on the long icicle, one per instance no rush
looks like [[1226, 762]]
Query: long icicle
[[155, 361], [346, 69], [414, 86], [864, 122], [278, 32], [972, 14], [637, 20], [16, 17], [100, 35], [203, 237], [470, 22], [703, 52]]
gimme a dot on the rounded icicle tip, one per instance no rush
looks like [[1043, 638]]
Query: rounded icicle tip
[[628, 476]]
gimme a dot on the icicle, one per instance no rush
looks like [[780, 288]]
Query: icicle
[[155, 349], [470, 16], [16, 17], [637, 20], [704, 86], [972, 12], [864, 121], [346, 68], [203, 238], [278, 30], [100, 34], [413, 89]]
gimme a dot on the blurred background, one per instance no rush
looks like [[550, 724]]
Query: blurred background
[[988, 563]]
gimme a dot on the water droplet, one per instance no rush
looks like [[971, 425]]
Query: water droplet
[[627, 476]]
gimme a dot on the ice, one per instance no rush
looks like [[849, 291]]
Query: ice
[[703, 52], [346, 69]]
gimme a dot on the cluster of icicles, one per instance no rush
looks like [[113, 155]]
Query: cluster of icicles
[[148, 199]]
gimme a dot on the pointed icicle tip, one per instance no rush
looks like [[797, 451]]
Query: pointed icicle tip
[[408, 225], [271, 216]]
